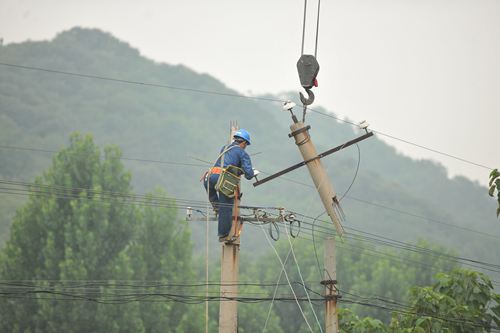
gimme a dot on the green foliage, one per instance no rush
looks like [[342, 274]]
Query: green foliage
[[82, 236], [390, 275], [351, 323], [458, 302], [494, 185]]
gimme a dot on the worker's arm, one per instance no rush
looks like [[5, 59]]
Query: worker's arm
[[246, 165]]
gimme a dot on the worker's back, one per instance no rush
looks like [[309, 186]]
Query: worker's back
[[238, 157]]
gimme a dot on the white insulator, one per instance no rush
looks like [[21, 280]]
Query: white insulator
[[364, 124], [288, 105]]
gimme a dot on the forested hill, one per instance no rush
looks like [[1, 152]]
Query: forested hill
[[389, 197]]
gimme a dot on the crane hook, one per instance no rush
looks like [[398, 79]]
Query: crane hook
[[309, 100]]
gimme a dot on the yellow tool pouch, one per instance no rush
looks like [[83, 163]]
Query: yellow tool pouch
[[228, 181], [229, 178]]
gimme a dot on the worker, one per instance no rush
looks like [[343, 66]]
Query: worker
[[235, 162]]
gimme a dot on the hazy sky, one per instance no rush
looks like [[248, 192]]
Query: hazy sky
[[425, 71]]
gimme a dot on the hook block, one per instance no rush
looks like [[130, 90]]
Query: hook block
[[308, 68]]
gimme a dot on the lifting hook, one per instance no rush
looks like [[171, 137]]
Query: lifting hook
[[310, 97]]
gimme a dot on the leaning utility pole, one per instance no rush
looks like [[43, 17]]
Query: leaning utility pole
[[317, 171], [331, 291], [228, 308]]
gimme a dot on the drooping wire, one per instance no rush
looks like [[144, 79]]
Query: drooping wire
[[355, 174], [302, 280], [286, 276], [124, 158], [149, 84], [314, 242], [275, 291], [275, 235]]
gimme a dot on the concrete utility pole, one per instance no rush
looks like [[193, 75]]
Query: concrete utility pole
[[330, 283], [317, 171], [228, 315], [228, 309]]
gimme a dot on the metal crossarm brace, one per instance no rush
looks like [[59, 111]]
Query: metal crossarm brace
[[321, 155]]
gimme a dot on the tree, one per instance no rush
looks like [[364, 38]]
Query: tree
[[459, 302], [495, 186], [350, 323], [82, 223]]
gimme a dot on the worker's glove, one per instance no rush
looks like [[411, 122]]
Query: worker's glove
[[255, 172]]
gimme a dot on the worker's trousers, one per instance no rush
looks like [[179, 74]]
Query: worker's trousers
[[221, 202]]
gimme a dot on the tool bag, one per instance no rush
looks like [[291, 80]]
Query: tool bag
[[229, 178], [228, 181]]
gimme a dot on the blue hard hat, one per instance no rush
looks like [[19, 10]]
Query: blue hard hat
[[243, 134]]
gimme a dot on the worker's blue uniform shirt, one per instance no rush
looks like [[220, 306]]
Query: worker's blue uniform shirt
[[235, 156], [238, 157]]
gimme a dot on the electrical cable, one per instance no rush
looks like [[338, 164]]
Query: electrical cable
[[364, 238], [201, 91], [402, 212], [156, 85], [403, 140], [275, 291], [170, 200], [355, 174], [288, 280], [106, 194], [124, 158], [314, 242], [397, 244], [422, 314], [296, 182], [302, 280], [428, 219]]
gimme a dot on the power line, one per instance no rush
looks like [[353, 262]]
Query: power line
[[69, 192], [148, 84], [110, 299], [202, 203], [149, 200], [374, 238], [350, 197], [234, 95], [429, 219], [404, 140], [385, 241], [125, 158]]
